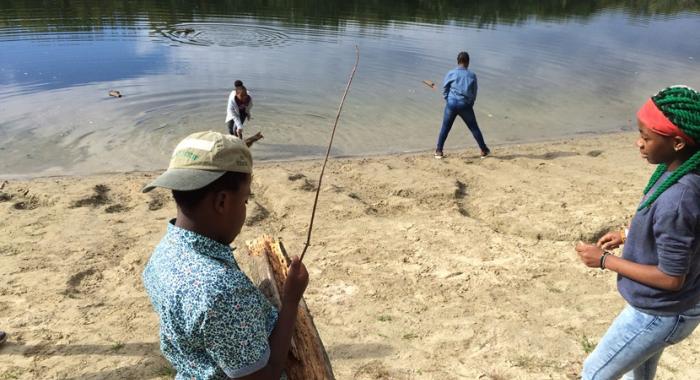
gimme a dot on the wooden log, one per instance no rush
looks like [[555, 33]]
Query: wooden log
[[266, 263]]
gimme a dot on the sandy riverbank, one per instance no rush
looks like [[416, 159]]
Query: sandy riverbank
[[421, 269]]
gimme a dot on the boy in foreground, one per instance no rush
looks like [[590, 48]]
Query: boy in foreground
[[214, 323]]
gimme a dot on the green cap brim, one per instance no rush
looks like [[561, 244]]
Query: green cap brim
[[184, 179]]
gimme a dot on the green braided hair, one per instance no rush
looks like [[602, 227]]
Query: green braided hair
[[681, 105]]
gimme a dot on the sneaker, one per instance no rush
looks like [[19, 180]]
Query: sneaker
[[3, 337], [438, 154]]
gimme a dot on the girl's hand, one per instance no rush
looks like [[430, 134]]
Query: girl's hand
[[589, 254], [611, 240]]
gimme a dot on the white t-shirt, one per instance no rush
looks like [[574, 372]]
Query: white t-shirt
[[232, 111]]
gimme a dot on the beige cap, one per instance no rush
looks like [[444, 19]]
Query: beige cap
[[202, 158]]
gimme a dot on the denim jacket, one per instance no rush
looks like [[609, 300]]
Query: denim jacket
[[460, 86]]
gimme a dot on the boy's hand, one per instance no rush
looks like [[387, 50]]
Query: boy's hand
[[611, 240], [297, 279], [589, 254]]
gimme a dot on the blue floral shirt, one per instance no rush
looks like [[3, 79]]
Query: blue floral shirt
[[214, 323]]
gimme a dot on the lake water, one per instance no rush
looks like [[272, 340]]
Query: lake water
[[546, 69]]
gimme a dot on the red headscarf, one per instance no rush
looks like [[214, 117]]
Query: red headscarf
[[655, 120]]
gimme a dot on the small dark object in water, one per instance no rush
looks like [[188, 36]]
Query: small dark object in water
[[115, 93]]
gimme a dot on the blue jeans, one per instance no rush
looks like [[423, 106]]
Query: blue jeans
[[633, 344], [466, 112]]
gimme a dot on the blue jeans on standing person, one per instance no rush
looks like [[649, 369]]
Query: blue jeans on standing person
[[466, 112], [633, 344]]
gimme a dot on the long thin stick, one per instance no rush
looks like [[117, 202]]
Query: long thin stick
[[328, 152]]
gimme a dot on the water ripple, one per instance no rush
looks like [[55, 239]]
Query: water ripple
[[224, 34]]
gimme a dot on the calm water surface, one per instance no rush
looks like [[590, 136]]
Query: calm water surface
[[547, 69]]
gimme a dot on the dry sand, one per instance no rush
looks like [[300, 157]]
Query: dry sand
[[420, 269]]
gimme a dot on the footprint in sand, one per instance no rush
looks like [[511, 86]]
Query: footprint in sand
[[29, 204], [375, 369], [25, 201], [5, 197], [306, 185], [83, 282], [369, 209], [98, 198], [257, 215], [117, 208], [157, 201], [459, 195]]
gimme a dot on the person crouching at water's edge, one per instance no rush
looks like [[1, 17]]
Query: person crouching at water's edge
[[240, 103]]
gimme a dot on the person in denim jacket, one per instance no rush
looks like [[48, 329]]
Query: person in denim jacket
[[459, 91]]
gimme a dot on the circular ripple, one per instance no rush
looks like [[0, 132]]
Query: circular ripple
[[224, 34]]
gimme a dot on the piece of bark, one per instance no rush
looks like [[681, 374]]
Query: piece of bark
[[267, 262], [252, 139]]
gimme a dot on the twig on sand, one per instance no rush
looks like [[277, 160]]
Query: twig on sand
[[328, 152]]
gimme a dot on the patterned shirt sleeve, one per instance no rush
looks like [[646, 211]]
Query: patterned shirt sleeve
[[235, 331]]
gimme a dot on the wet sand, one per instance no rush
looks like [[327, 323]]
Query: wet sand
[[420, 269]]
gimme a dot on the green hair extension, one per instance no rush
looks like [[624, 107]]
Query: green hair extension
[[681, 105]]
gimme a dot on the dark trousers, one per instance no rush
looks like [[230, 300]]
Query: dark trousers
[[232, 125], [466, 112]]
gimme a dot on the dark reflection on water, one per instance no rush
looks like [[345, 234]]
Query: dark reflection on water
[[546, 69], [65, 43], [83, 15]]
